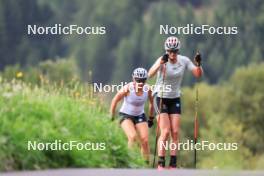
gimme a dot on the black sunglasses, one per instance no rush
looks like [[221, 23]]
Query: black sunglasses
[[140, 80], [173, 51]]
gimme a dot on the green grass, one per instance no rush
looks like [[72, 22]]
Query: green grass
[[47, 114]]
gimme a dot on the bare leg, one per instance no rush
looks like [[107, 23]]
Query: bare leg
[[130, 131], [175, 128], [142, 129], [164, 124]]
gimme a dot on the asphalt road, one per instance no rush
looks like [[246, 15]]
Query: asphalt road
[[132, 172]]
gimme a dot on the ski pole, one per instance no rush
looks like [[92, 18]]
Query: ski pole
[[197, 57], [196, 126], [158, 121]]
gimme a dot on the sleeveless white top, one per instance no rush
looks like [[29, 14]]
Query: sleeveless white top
[[134, 104]]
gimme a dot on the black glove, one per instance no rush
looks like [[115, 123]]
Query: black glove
[[150, 122], [198, 59], [112, 117], [165, 58]]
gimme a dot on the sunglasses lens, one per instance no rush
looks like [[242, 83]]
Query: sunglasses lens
[[173, 51], [140, 80]]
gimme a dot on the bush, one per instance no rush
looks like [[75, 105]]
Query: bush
[[231, 112], [35, 114], [60, 70]]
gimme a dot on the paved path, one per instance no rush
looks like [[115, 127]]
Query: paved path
[[132, 172]]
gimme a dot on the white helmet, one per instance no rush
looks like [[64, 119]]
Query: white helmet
[[172, 43], [140, 73]]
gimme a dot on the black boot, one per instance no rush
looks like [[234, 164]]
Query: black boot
[[173, 161], [161, 162]]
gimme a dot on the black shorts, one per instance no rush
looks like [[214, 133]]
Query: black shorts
[[169, 105], [135, 119]]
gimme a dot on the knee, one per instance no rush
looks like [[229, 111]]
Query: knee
[[144, 141], [132, 138], [175, 134], [165, 133]]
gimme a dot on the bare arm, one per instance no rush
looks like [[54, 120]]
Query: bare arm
[[119, 96], [155, 67]]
